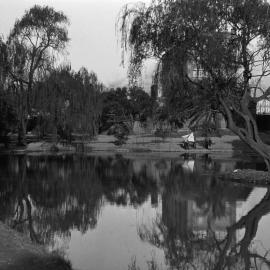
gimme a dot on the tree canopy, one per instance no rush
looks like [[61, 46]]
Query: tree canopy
[[40, 32], [69, 101], [123, 105], [33, 45], [227, 40]]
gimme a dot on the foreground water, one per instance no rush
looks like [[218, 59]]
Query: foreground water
[[121, 213]]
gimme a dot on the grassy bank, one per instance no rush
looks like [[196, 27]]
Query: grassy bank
[[141, 144], [17, 252]]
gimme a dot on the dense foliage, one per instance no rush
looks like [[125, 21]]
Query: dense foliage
[[36, 93], [123, 105], [68, 101], [228, 41], [40, 95]]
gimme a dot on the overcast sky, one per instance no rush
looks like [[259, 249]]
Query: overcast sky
[[92, 31]]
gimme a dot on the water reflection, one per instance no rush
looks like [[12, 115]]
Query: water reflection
[[50, 197], [44, 196], [212, 243], [198, 228]]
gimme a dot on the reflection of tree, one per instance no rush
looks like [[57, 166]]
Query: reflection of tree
[[229, 251], [202, 186], [48, 196], [121, 185], [209, 245], [15, 202]]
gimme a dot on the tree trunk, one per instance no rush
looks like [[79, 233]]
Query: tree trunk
[[22, 133], [54, 135], [249, 223], [22, 112], [249, 133]]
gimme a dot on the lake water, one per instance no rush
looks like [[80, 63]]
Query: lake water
[[114, 213]]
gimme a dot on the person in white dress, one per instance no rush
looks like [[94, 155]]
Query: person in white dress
[[189, 139]]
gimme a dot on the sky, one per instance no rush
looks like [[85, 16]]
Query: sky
[[94, 42]]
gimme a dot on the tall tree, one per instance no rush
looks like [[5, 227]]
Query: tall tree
[[7, 114], [3, 63], [69, 101], [141, 103], [228, 40], [116, 108], [34, 42]]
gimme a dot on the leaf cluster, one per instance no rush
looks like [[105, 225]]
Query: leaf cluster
[[43, 23]]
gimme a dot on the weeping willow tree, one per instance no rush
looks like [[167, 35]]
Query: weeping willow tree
[[68, 101], [228, 40], [8, 119]]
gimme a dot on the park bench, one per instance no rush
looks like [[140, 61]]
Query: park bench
[[187, 145], [189, 141]]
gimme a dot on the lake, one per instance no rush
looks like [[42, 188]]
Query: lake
[[113, 212]]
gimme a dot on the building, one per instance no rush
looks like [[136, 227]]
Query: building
[[263, 115]]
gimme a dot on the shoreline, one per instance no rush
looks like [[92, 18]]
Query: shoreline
[[229, 144]]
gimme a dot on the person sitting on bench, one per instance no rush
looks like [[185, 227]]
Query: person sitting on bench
[[189, 140]]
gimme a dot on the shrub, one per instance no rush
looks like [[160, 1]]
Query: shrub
[[121, 134]]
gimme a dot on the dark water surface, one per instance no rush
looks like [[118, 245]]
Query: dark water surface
[[110, 212]]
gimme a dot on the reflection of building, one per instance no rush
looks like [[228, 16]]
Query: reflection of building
[[185, 211], [203, 221], [194, 212], [177, 215], [184, 216]]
